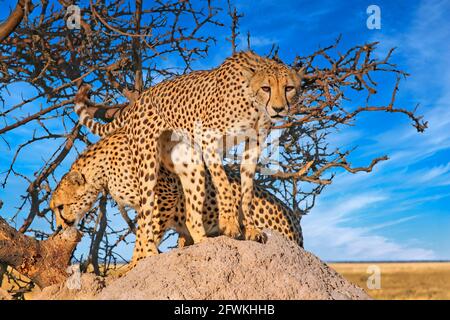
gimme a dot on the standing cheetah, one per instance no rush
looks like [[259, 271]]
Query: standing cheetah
[[241, 97], [106, 167]]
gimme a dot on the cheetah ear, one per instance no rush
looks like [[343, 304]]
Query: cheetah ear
[[298, 75], [301, 73], [248, 72], [76, 177]]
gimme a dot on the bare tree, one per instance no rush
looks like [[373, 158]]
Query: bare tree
[[119, 48], [307, 163], [123, 47]]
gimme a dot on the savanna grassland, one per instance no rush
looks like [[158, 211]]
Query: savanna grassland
[[409, 280]]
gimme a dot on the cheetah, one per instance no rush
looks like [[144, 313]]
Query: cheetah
[[239, 99], [105, 167]]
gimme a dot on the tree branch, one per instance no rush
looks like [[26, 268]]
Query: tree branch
[[44, 262], [8, 27]]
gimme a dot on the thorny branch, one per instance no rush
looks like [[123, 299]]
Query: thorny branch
[[323, 108], [122, 48], [23, 7]]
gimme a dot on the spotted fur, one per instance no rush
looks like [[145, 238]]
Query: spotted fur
[[106, 167], [245, 93]]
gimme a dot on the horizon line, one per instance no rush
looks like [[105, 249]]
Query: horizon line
[[387, 261]]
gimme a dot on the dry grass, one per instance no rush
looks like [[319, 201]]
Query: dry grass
[[427, 280]]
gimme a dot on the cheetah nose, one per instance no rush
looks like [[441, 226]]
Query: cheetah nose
[[278, 109]]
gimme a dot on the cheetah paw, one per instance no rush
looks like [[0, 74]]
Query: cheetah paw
[[130, 266], [254, 234], [122, 271], [230, 227]]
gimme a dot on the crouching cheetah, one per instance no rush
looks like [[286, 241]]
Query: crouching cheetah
[[106, 167], [238, 100]]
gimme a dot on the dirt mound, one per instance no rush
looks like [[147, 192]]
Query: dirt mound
[[86, 288], [223, 268]]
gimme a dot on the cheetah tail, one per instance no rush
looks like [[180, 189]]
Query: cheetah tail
[[81, 109]]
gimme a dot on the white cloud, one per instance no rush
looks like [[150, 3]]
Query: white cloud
[[328, 235], [423, 48], [255, 41], [433, 176], [334, 230]]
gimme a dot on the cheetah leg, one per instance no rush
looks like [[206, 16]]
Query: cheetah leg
[[248, 169], [148, 230], [146, 234], [169, 203], [185, 160], [184, 237], [189, 166], [184, 240], [228, 213]]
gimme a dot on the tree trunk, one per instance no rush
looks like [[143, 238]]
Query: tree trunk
[[98, 235], [44, 262]]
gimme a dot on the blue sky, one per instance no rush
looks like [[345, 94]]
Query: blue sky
[[400, 211]]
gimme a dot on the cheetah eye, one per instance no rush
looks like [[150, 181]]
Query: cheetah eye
[[60, 207], [289, 88], [265, 89]]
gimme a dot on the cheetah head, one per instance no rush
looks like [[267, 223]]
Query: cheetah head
[[72, 198], [275, 89]]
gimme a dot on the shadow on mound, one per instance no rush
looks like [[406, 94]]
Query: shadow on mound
[[222, 268]]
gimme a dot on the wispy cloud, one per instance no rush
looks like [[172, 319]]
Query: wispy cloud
[[342, 227], [256, 41], [359, 216], [327, 233], [432, 176]]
